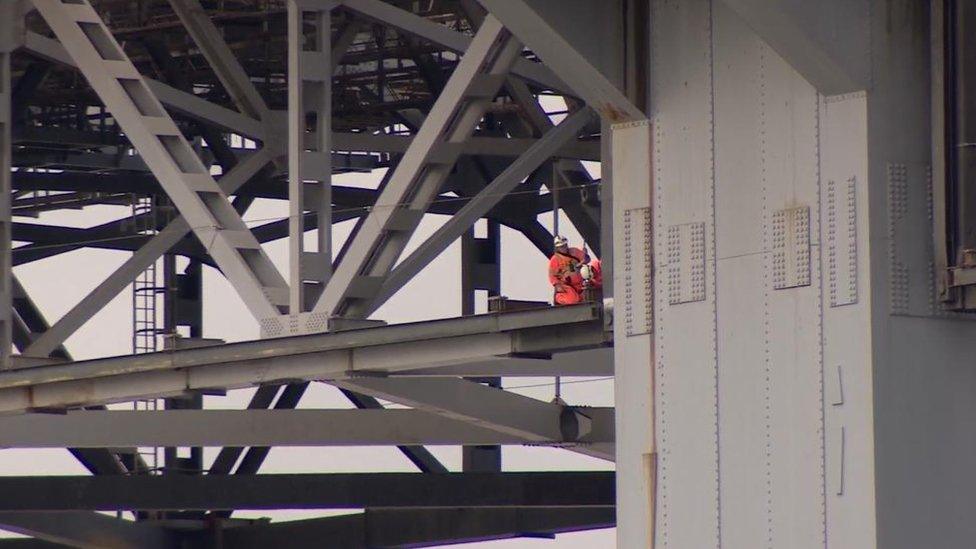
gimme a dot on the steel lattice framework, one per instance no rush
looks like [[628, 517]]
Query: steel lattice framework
[[195, 109]]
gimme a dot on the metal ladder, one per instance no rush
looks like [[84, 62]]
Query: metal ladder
[[145, 293]]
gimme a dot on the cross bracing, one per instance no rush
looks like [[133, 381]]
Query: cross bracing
[[188, 102]]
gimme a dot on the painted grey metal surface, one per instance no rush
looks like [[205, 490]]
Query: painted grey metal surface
[[421, 345], [752, 454], [633, 326], [171, 428], [849, 480], [686, 386]]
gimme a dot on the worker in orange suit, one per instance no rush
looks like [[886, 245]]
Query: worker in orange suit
[[596, 268], [564, 272]]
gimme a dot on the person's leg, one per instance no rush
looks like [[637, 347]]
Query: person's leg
[[567, 297]]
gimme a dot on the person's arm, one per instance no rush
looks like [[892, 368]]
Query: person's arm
[[556, 274]]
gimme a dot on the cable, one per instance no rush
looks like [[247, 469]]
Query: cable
[[591, 380]]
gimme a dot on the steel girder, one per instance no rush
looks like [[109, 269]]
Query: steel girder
[[585, 80], [385, 528], [420, 174], [491, 408], [308, 491], [390, 349], [413, 528], [385, 13], [164, 149], [157, 246], [10, 19], [172, 428], [479, 206], [87, 530]]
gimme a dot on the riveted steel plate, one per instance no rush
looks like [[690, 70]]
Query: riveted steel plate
[[791, 248], [686, 263], [638, 275], [842, 241]]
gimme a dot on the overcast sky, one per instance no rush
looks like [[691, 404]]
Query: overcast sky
[[58, 283]]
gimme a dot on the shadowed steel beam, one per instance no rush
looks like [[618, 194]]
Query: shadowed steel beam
[[421, 172], [481, 204], [161, 144], [558, 54], [492, 408], [382, 12], [476, 145], [225, 65], [535, 121], [418, 455], [11, 17], [85, 530], [158, 245], [307, 491], [419, 527], [180, 101]]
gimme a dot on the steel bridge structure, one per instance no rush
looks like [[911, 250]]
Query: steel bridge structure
[[182, 114], [779, 192]]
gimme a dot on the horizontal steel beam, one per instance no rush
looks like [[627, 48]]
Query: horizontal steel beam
[[480, 146], [372, 351], [415, 528], [495, 409], [87, 530], [588, 363], [307, 491], [170, 428]]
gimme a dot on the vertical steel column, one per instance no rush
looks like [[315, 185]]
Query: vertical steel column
[[11, 14], [481, 270], [309, 149], [633, 334]]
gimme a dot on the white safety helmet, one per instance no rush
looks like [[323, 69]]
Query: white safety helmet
[[560, 241]]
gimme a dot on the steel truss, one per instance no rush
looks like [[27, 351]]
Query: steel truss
[[100, 101]]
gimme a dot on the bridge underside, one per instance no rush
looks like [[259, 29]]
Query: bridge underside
[[157, 128]]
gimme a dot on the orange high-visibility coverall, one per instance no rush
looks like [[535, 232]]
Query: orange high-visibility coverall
[[565, 278], [597, 273]]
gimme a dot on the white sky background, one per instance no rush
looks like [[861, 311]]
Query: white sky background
[[58, 283]]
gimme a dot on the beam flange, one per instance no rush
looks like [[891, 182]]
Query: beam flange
[[307, 491], [305, 427], [387, 349]]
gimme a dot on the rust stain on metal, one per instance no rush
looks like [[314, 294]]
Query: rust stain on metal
[[612, 113]]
